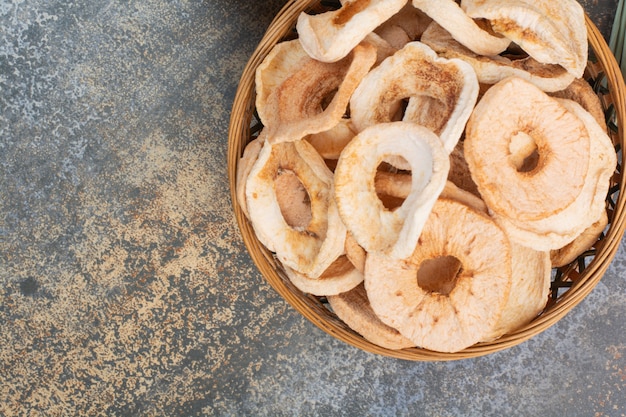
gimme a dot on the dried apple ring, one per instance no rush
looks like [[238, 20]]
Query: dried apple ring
[[441, 92], [297, 95], [512, 115], [374, 227], [530, 273], [451, 312], [552, 32], [330, 36], [492, 69], [307, 248], [555, 231]]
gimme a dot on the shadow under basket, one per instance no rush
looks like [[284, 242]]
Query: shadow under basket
[[570, 284]]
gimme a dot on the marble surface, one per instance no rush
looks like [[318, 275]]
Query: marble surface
[[125, 287]]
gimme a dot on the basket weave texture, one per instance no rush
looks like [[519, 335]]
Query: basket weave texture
[[570, 284]]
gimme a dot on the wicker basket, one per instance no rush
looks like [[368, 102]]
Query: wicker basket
[[570, 284]]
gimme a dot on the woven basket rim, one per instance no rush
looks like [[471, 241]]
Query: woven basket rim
[[311, 307]]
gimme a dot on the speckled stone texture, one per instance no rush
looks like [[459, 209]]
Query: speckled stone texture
[[125, 288]]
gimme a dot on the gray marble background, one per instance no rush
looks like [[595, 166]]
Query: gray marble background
[[125, 288]]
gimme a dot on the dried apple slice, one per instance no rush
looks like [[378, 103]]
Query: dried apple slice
[[512, 115], [440, 92], [492, 69], [463, 268], [297, 95], [375, 227], [552, 32], [558, 230], [307, 246], [330, 36]]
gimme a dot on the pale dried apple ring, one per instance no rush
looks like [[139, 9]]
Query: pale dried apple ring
[[310, 248], [552, 32], [330, 36], [510, 115], [530, 273], [462, 27], [353, 308], [297, 95], [492, 69], [531, 269], [558, 230], [373, 226], [449, 313], [441, 92]]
